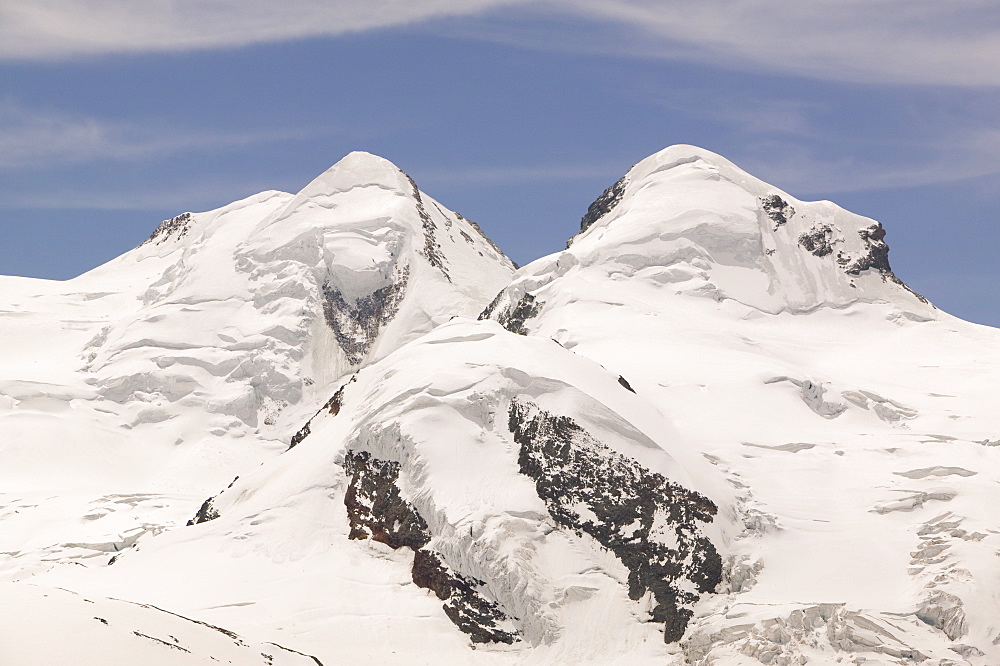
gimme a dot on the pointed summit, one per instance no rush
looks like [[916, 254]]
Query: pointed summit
[[358, 169], [280, 296]]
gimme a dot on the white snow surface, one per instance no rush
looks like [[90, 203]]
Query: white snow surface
[[54, 626], [694, 222], [855, 423], [844, 428]]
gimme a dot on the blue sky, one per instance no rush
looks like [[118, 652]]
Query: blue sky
[[115, 115]]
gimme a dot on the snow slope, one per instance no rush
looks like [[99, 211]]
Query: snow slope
[[716, 429], [434, 434], [132, 392], [854, 419], [52, 626]]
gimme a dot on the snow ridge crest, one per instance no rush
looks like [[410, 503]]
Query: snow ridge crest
[[691, 219]]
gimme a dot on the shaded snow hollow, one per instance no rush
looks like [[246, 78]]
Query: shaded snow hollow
[[338, 427]]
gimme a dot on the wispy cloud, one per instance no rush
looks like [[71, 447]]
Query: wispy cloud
[[823, 146], [747, 112], [42, 138], [42, 29], [878, 41], [897, 41], [796, 157], [192, 196], [962, 155], [923, 42]]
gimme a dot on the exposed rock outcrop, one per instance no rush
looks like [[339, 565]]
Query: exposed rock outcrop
[[376, 510], [514, 317], [650, 523], [174, 228], [357, 324], [604, 204], [777, 209]]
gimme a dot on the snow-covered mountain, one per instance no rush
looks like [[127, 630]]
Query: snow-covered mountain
[[852, 419], [132, 392], [716, 429]]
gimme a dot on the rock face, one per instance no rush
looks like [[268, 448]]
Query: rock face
[[173, 229], [875, 253], [649, 523], [376, 510], [356, 325], [432, 248], [603, 204], [777, 209], [515, 316], [374, 507], [818, 240], [206, 512]]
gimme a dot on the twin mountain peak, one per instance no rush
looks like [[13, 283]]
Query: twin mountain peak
[[683, 216], [709, 417]]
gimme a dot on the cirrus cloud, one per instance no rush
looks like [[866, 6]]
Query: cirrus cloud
[[52, 29], [42, 138], [866, 41]]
